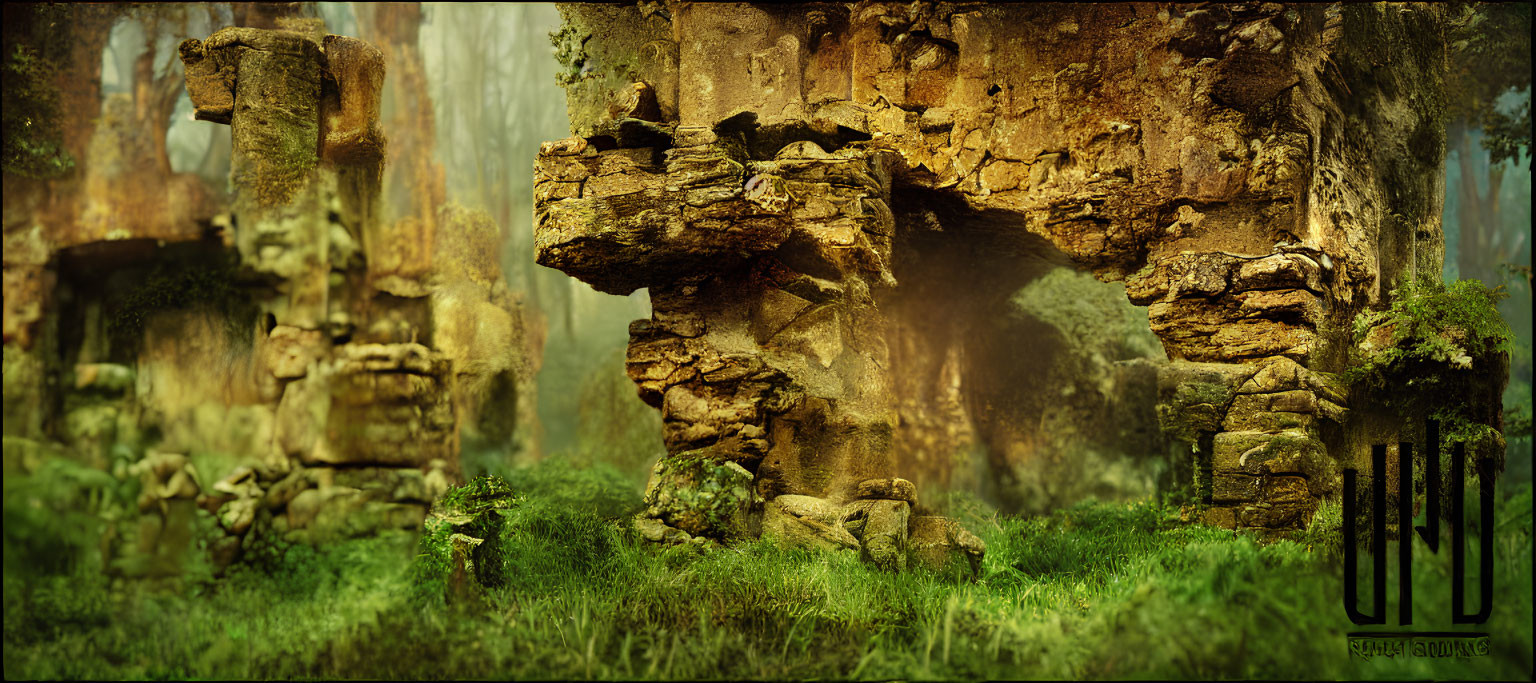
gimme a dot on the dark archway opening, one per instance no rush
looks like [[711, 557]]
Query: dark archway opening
[[1018, 376]]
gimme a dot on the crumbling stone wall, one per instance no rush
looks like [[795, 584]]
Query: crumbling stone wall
[[1255, 174], [289, 358]]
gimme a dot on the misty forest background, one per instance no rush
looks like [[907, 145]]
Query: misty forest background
[[1091, 588]]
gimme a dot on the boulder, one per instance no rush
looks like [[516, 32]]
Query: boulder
[[942, 545], [806, 522], [881, 528], [701, 496]]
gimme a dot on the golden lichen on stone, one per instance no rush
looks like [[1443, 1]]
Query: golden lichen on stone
[[350, 126], [210, 80]]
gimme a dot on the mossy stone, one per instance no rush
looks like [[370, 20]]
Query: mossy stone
[[476, 510], [701, 495]]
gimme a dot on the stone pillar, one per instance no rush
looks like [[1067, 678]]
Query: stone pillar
[[365, 431], [378, 340], [266, 86]]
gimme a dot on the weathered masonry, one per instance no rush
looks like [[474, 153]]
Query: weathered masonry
[[292, 358], [785, 178]]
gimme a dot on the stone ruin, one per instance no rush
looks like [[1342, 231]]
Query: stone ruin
[[338, 352], [822, 200], [815, 194], [382, 339]]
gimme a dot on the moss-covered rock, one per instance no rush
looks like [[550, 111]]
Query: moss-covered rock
[[701, 496], [942, 546], [461, 543], [881, 527], [1249, 454], [1194, 397], [1451, 325]]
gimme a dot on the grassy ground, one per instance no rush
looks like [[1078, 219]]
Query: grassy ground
[[1097, 591]]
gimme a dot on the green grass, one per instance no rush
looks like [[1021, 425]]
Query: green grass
[[1096, 591]]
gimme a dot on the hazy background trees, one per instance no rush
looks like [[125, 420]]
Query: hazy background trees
[[491, 71], [1488, 181]]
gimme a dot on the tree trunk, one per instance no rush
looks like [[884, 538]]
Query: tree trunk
[[1480, 248]]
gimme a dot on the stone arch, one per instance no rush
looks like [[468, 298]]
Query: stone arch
[[1238, 168]]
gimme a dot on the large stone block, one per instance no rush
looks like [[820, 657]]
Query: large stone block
[[1256, 453], [1272, 412], [1194, 397], [806, 522]]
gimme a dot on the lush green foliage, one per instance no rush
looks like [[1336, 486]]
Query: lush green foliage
[[1436, 340], [33, 143], [1098, 590], [433, 565], [51, 516], [1436, 322], [483, 493]]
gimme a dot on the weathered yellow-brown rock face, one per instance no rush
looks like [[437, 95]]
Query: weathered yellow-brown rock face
[[1255, 174], [283, 358]]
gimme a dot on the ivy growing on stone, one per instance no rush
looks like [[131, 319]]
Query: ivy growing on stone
[[172, 287]]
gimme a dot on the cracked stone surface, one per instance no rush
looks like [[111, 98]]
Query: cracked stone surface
[[1254, 174]]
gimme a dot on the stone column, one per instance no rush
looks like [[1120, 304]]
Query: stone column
[[365, 431], [266, 86], [765, 351]]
